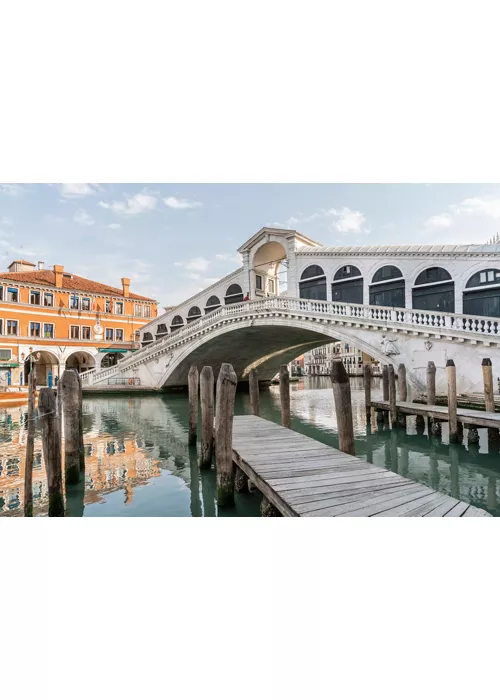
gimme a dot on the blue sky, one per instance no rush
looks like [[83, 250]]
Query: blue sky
[[173, 240]]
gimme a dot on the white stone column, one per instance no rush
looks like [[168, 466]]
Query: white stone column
[[247, 283], [408, 294], [291, 278]]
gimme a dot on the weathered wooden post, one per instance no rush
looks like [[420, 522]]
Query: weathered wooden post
[[385, 383], [433, 424], [30, 448], [268, 510], [226, 390], [420, 424], [193, 379], [451, 371], [489, 397], [207, 417], [253, 383], [454, 472], [51, 441], [402, 392], [69, 386], [472, 435], [285, 396], [367, 375], [392, 395], [240, 481], [343, 407], [80, 426]]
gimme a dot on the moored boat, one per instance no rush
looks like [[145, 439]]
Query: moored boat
[[13, 396]]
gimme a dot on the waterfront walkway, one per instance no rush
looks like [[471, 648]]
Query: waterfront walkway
[[466, 416], [303, 477]]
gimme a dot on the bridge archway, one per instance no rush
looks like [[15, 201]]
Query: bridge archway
[[481, 296], [312, 284], [147, 339], [212, 304], [434, 290], [177, 322], [387, 287], [269, 271], [234, 294], [347, 285], [194, 314], [81, 361], [45, 364]]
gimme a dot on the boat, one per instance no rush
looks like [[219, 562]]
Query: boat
[[13, 396]]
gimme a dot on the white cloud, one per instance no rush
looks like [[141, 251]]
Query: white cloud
[[347, 221], [138, 204], [473, 220], [82, 218], [174, 203], [12, 190], [78, 190], [114, 226], [487, 206], [6, 221], [194, 265], [439, 221], [229, 257], [291, 223], [18, 250]]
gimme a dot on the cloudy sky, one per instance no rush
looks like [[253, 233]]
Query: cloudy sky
[[173, 240]]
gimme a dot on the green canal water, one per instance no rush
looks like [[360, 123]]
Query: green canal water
[[138, 462]]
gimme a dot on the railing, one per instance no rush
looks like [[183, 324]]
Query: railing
[[461, 323], [131, 381]]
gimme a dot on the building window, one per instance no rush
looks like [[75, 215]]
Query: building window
[[74, 302], [5, 355], [48, 299], [85, 332], [312, 283], [35, 329], [177, 322], [48, 330], [85, 304], [434, 290], [1, 293], [212, 304], [119, 335], [12, 294], [12, 327], [1, 328], [270, 284], [481, 296], [138, 310], [194, 313], [147, 312], [109, 334], [107, 306], [74, 332], [234, 294], [258, 281], [35, 298], [119, 308]]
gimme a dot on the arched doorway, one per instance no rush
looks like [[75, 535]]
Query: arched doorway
[[194, 314], [388, 287], [347, 285], [212, 304], [434, 290], [269, 273], [312, 283], [45, 365], [482, 293], [234, 294], [111, 359], [177, 322], [81, 361]]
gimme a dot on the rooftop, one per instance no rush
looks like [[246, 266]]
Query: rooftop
[[465, 249]]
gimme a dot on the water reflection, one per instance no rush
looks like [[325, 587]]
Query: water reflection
[[138, 462]]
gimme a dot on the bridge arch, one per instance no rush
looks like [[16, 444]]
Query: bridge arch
[[387, 287], [312, 283], [433, 289], [212, 304], [194, 314], [176, 323], [233, 295], [147, 338], [264, 264], [161, 330], [347, 284], [81, 361], [481, 295]]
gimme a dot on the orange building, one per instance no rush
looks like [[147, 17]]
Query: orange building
[[56, 320]]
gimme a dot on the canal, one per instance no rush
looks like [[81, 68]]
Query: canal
[[138, 462]]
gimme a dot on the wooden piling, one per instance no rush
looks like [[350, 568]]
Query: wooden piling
[[81, 450], [207, 417], [402, 393], [30, 449], [226, 390], [343, 407], [367, 375], [489, 398], [285, 396], [392, 395], [51, 442], [431, 384], [69, 386], [385, 383], [451, 371], [240, 481], [253, 384], [193, 381], [268, 510], [420, 424]]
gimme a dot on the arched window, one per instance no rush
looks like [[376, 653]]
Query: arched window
[[388, 287], [176, 323], [234, 294], [194, 313], [434, 290], [161, 330], [212, 304], [147, 339], [312, 283], [482, 293], [347, 285]]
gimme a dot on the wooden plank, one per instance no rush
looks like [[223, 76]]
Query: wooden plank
[[345, 489], [440, 511], [372, 505], [347, 497], [419, 512], [457, 510], [408, 508]]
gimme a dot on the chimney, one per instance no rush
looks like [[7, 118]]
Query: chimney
[[41, 265], [126, 286], [58, 271]]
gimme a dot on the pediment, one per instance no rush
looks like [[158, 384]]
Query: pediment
[[276, 233]]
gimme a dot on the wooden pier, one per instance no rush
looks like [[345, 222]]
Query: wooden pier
[[466, 416], [302, 477]]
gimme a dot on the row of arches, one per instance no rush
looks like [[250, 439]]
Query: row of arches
[[234, 295], [433, 289], [47, 365]]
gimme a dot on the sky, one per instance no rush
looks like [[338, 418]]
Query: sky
[[174, 240]]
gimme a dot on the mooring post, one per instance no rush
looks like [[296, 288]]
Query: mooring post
[[30, 448], [420, 424], [226, 390], [285, 396], [268, 510], [207, 416], [451, 371], [489, 397], [392, 395], [193, 379], [69, 386], [343, 407], [81, 448], [367, 375], [385, 383], [402, 392], [51, 442], [240, 481], [253, 385], [431, 395]]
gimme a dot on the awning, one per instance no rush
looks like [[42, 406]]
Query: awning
[[113, 350], [5, 365]]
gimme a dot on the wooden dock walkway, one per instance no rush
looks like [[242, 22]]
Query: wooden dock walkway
[[466, 416], [303, 477]]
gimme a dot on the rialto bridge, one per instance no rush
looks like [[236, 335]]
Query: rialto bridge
[[405, 303]]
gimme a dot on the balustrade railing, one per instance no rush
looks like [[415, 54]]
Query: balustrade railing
[[460, 323]]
